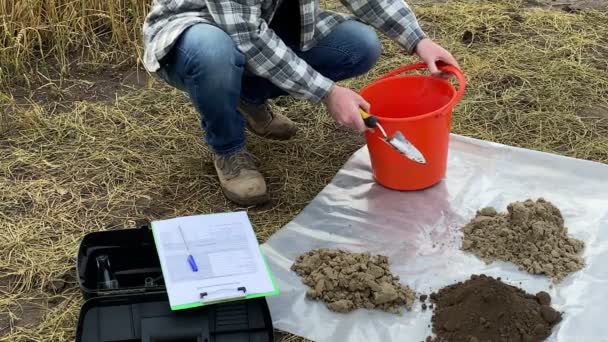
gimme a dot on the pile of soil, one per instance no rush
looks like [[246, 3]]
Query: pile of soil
[[486, 309], [531, 235], [347, 281]]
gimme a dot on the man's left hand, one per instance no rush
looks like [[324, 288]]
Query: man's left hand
[[431, 53]]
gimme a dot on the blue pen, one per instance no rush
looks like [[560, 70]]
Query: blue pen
[[190, 257]]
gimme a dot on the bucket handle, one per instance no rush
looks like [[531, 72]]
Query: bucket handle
[[450, 69]]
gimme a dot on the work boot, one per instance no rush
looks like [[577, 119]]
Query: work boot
[[263, 122], [241, 182]]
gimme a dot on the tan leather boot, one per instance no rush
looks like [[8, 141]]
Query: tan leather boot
[[241, 182], [263, 122]]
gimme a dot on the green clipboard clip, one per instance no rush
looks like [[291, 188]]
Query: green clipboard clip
[[240, 294], [230, 294]]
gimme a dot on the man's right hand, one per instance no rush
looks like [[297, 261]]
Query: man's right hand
[[343, 104]]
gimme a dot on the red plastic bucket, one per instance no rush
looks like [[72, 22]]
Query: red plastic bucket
[[420, 106]]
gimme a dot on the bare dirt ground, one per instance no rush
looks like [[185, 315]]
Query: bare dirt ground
[[55, 93]]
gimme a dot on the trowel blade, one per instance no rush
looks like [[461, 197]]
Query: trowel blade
[[401, 144]]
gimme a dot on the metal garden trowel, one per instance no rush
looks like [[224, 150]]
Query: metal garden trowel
[[398, 141]]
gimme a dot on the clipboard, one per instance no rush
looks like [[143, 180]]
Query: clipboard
[[231, 265]]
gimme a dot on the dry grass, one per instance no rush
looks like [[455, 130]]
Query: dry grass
[[537, 79], [35, 34]]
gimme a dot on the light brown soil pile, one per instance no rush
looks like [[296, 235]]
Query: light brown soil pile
[[531, 235], [486, 309], [346, 281]]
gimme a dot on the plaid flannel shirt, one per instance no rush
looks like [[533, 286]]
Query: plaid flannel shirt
[[246, 21]]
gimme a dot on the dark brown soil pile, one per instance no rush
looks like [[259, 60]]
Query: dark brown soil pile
[[347, 281], [486, 309], [531, 235]]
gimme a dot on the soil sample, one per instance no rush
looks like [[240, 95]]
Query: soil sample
[[486, 309], [347, 281], [531, 235]]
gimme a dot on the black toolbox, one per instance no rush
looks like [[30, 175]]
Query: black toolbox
[[126, 301]]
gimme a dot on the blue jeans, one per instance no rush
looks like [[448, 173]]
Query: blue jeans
[[206, 64]]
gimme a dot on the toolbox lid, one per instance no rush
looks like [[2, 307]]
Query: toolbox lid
[[119, 262], [148, 318]]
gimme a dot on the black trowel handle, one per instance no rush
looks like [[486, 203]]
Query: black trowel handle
[[370, 120]]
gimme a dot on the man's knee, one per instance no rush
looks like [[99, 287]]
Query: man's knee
[[368, 46], [205, 50]]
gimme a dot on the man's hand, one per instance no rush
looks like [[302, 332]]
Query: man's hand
[[431, 53], [343, 104]]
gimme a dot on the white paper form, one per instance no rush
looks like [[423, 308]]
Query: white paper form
[[227, 255]]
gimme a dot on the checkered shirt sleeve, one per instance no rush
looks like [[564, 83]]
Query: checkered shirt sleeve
[[267, 56], [392, 17]]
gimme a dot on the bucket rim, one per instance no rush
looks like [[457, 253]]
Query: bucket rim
[[396, 74]]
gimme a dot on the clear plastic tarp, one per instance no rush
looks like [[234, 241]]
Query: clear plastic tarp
[[421, 234]]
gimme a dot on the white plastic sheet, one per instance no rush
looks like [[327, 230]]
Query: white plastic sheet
[[420, 232]]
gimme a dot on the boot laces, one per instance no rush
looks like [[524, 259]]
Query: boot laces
[[232, 164]]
